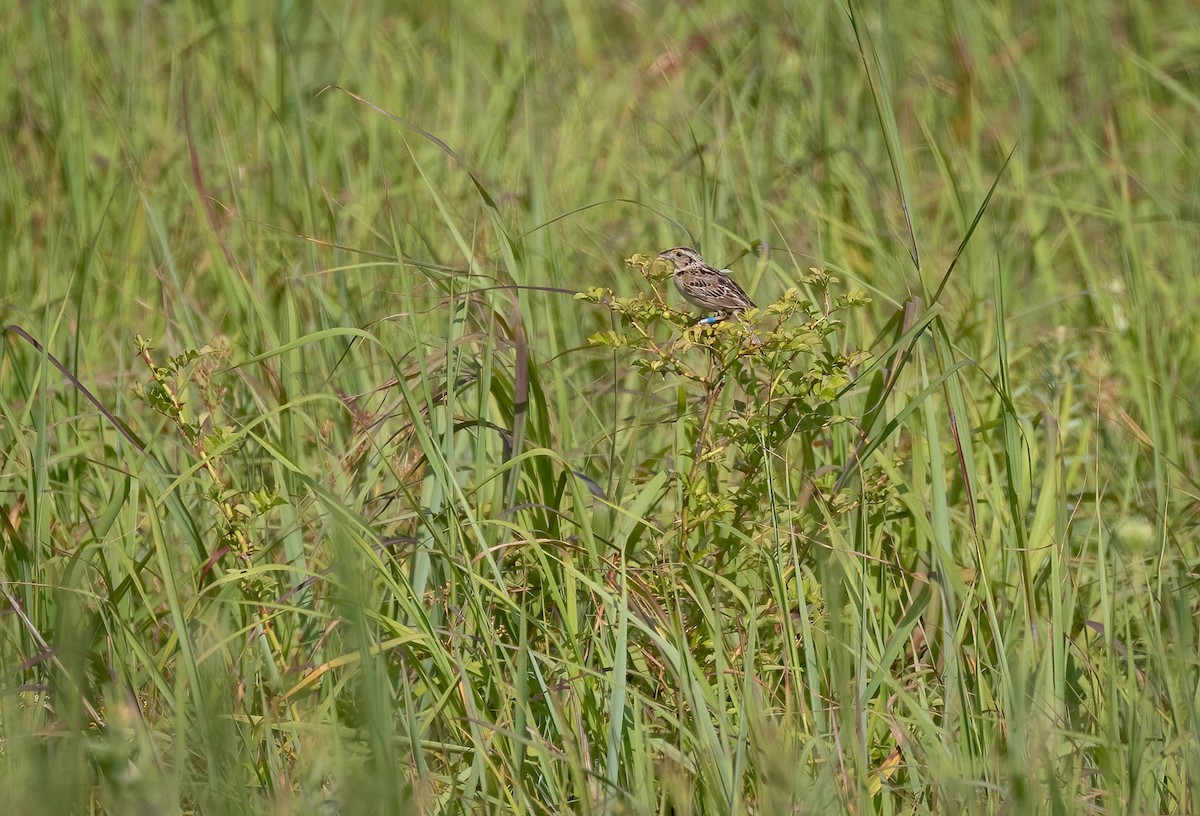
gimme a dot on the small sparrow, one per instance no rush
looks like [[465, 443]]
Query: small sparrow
[[706, 286]]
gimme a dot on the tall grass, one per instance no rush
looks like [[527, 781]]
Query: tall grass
[[317, 497]]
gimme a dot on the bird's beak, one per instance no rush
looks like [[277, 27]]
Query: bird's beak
[[663, 255]]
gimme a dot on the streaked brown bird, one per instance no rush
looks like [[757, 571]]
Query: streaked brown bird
[[706, 286]]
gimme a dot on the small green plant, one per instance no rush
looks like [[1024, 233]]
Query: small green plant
[[208, 439], [761, 387]]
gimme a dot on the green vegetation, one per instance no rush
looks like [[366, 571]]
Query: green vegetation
[[346, 466]]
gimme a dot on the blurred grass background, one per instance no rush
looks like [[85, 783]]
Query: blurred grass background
[[377, 531]]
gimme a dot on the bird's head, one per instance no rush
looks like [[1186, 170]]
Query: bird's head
[[681, 256]]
